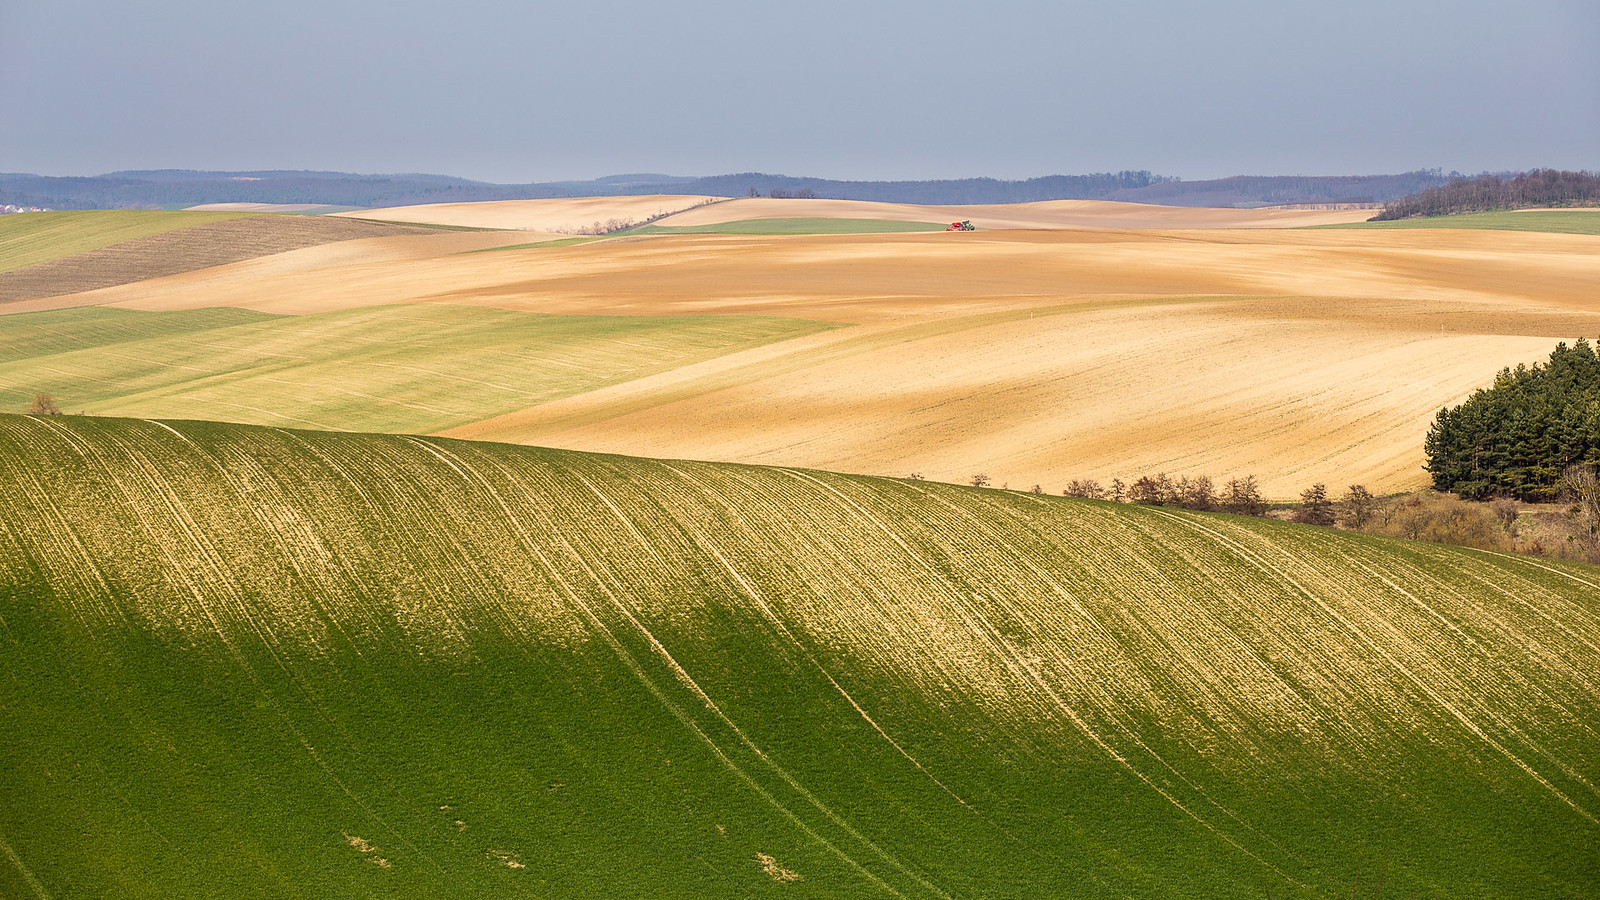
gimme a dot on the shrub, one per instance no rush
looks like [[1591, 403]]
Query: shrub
[[1441, 519]]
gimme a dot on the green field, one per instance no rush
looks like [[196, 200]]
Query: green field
[[814, 225], [416, 368], [29, 238], [241, 662], [1561, 221]]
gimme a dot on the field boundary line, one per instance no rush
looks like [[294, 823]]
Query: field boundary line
[[27, 876]]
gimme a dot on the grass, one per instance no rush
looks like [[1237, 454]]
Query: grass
[[30, 238], [813, 225], [1560, 221], [245, 662], [31, 336], [415, 368]]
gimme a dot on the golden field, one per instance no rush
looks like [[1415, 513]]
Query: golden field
[[1220, 342]]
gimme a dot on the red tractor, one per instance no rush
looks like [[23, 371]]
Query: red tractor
[[963, 225]]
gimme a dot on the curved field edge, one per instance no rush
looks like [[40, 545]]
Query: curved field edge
[[245, 661], [1555, 221], [797, 225], [30, 238], [411, 368]]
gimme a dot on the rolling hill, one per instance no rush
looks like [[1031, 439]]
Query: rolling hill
[[34, 238], [54, 253], [1556, 221], [242, 661], [1033, 355], [1052, 214], [416, 367]]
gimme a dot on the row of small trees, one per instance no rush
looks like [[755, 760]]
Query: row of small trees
[[1428, 516], [1238, 495]]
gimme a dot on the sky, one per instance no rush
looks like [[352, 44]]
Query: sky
[[865, 89]]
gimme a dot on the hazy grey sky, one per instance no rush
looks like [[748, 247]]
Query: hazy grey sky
[[538, 91]]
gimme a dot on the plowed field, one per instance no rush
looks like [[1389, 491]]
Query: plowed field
[[567, 214], [1032, 356], [218, 239], [1094, 214], [245, 662]]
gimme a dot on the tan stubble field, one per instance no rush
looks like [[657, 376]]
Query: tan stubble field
[[1033, 356]]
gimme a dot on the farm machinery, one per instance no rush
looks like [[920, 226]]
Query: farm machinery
[[963, 225]]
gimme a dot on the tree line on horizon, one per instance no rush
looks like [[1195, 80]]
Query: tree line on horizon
[[1491, 193], [172, 189]]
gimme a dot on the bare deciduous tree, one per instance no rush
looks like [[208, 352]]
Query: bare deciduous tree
[[1149, 491], [1196, 493], [1357, 507], [1581, 485], [1086, 488], [1243, 497], [44, 405]]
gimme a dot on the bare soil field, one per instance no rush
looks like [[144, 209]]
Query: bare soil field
[[560, 215], [268, 207], [1032, 356], [183, 250], [1048, 214]]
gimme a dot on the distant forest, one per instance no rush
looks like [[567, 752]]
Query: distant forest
[[1488, 193], [1521, 437], [176, 189]]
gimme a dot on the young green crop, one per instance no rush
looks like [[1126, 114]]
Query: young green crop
[[29, 238], [240, 662], [414, 368]]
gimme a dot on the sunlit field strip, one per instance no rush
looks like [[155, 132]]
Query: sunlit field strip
[[468, 655]]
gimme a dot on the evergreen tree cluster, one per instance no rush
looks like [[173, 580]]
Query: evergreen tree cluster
[[1516, 438]]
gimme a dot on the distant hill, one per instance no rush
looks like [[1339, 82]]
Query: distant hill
[[242, 662], [1488, 193], [176, 189]]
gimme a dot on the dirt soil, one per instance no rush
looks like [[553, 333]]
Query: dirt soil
[[185, 250]]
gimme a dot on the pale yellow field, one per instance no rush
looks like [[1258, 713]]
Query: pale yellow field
[[561, 215], [258, 207], [1047, 214], [342, 265], [1032, 356]]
